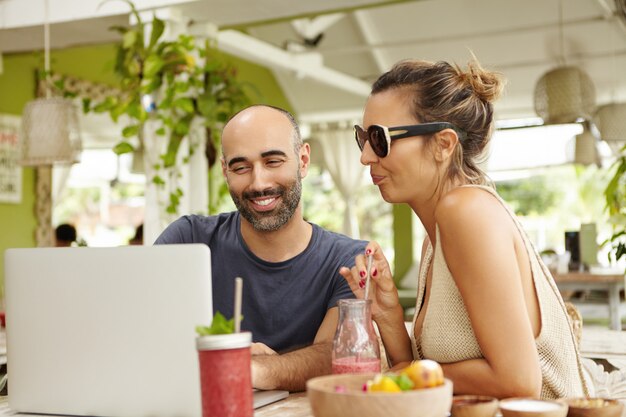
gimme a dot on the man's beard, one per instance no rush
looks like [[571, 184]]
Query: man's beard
[[275, 219]]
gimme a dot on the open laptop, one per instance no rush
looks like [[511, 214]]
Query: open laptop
[[107, 331]]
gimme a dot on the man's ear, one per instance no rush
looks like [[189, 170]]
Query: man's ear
[[304, 159], [223, 166], [446, 141]]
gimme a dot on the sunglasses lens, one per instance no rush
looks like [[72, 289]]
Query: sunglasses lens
[[361, 136], [378, 141]]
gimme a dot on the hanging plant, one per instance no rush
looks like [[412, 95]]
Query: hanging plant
[[173, 84]]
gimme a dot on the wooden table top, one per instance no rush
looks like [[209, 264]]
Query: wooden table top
[[588, 277], [296, 405]]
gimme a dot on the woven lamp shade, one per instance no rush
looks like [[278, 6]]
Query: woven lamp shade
[[586, 151], [50, 132], [611, 122], [565, 95]]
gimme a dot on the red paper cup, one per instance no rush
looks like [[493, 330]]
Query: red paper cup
[[225, 379]]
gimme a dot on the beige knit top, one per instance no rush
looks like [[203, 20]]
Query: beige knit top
[[447, 334]]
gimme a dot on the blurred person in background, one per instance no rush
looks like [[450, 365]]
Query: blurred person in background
[[65, 235]]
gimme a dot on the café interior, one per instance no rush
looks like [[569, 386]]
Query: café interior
[[69, 155]]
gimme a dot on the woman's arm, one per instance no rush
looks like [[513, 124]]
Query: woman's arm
[[386, 309], [479, 244]]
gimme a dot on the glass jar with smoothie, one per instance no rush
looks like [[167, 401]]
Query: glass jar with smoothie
[[355, 346], [225, 379]]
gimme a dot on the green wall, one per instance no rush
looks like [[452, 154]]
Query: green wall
[[402, 241], [94, 63]]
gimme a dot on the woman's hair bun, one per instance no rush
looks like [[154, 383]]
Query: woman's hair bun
[[487, 85]]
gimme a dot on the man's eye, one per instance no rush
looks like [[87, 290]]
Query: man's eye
[[239, 169], [275, 162]]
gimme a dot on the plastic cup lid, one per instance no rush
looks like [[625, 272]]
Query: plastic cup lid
[[224, 341]]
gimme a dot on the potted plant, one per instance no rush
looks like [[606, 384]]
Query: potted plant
[[170, 85], [615, 195]]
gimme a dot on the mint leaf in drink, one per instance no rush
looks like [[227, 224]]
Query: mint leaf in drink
[[220, 325]]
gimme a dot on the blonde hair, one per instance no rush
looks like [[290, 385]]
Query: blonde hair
[[441, 92]]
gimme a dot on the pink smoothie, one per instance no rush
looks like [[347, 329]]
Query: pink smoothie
[[350, 365], [225, 383]]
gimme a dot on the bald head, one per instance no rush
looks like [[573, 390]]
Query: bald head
[[260, 118]]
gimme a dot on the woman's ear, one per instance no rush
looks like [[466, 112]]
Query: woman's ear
[[446, 141]]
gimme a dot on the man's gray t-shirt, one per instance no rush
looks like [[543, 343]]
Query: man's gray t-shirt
[[284, 303]]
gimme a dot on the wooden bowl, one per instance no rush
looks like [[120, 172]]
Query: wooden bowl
[[530, 407], [474, 406], [354, 402], [593, 407]]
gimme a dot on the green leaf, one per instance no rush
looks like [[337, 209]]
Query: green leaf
[[134, 109], [158, 27], [185, 104], [182, 87], [130, 131], [122, 148], [152, 66], [105, 105], [174, 199], [219, 325], [171, 209], [119, 29], [86, 104], [169, 158], [206, 105], [160, 131], [60, 84], [158, 180], [129, 39]]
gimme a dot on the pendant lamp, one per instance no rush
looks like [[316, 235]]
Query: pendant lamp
[[566, 93], [50, 132], [611, 122], [586, 149]]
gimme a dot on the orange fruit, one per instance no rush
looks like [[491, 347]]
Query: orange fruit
[[424, 373]]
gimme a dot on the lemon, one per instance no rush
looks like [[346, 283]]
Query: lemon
[[383, 383]]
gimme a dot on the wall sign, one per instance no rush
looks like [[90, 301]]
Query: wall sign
[[10, 169]]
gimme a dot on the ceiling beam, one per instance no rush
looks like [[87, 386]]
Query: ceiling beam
[[308, 65], [467, 37], [366, 27]]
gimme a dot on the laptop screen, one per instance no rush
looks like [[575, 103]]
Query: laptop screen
[[106, 331]]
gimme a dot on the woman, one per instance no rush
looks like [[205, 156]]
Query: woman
[[487, 308]]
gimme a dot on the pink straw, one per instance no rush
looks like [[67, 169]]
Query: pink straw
[[367, 279]]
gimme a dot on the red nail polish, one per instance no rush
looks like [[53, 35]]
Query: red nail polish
[[362, 283], [362, 273], [367, 252], [374, 272]]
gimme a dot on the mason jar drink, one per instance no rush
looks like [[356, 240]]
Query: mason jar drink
[[225, 379]]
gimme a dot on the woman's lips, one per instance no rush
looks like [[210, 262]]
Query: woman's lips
[[376, 179]]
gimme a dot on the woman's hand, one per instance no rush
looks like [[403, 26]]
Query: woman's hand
[[382, 291]]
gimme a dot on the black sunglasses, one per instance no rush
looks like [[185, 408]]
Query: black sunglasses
[[380, 137]]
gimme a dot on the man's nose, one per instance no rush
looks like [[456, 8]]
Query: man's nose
[[261, 179]]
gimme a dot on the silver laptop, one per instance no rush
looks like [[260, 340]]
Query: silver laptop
[[108, 331]]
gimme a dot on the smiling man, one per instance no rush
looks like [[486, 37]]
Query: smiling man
[[289, 266]]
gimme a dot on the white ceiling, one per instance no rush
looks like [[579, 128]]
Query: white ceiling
[[330, 80]]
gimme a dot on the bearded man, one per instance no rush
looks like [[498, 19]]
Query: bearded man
[[290, 267]]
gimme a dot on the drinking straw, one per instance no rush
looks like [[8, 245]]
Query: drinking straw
[[367, 279], [237, 315]]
